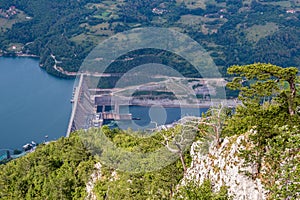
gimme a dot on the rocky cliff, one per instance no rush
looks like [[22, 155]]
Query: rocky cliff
[[224, 167]]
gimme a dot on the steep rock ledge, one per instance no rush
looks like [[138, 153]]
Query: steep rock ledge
[[224, 168], [93, 179]]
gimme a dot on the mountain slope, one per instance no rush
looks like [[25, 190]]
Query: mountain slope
[[233, 32]]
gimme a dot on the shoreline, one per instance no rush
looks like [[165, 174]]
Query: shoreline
[[56, 68], [27, 55], [15, 55]]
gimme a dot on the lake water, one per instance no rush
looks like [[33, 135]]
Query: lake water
[[33, 104]]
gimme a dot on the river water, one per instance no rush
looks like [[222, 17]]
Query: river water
[[33, 104]]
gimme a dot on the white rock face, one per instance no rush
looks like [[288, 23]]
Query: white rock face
[[94, 178], [224, 168]]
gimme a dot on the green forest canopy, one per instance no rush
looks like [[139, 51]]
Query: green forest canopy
[[233, 32]]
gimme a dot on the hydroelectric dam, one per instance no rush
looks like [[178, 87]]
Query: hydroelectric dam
[[86, 100]]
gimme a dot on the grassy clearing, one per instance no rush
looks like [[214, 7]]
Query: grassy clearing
[[201, 23], [108, 6], [192, 4], [14, 47], [102, 29], [96, 33], [8, 23], [191, 20], [286, 4], [256, 32], [247, 2], [79, 39]]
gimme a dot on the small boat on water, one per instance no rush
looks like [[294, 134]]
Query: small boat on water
[[136, 118]]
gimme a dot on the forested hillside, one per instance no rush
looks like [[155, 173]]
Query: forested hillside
[[62, 169], [58, 170], [233, 32]]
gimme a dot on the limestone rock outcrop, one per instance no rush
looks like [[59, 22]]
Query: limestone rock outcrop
[[223, 167]]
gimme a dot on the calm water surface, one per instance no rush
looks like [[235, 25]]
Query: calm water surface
[[150, 117], [33, 104]]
